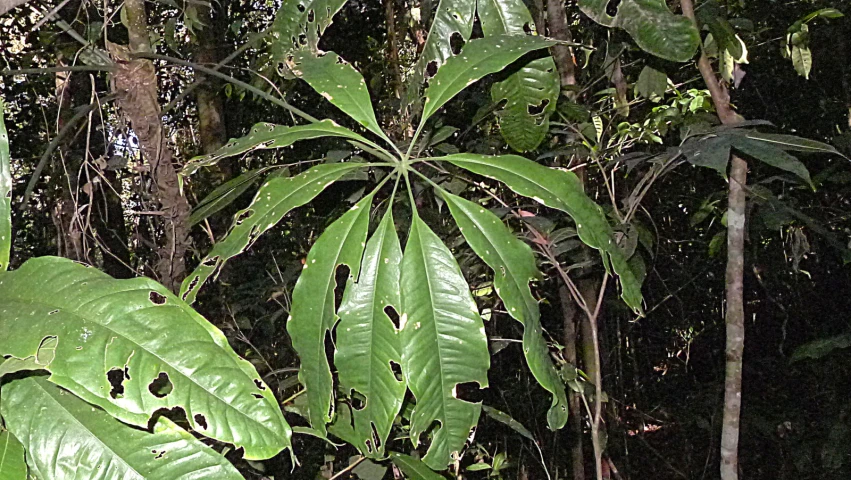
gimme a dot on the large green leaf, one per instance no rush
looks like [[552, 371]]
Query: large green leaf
[[275, 198], [312, 315], [368, 343], [712, 152], [562, 190], [267, 135], [443, 344], [66, 437], [299, 24], [413, 468], [514, 266], [768, 153], [224, 195], [5, 194], [12, 463], [820, 348], [342, 85], [531, 93], [140, 336], [653, 27], [792, 143], [478, 58]]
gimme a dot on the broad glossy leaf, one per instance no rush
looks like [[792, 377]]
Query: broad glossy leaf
[[414, 468], [562, 190], [5, 194], [792, 143], [711, 153], [299, 24], [514, 266], [443, 344], [312, 315], [135, 332], [12, 463], [339, 82], [268, 135], [478, 58], [368, 343], [275, 199], [651, 24], [66, 437], [768, 153], [224, 195]]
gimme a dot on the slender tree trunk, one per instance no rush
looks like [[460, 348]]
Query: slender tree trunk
[[569, 312], [735, 313], [557, 29], [393, 47], [211, 110]]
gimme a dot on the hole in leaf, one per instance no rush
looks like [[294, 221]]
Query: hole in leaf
[[392, 315], [192, 286], [527, 28], [311, 16], [161, 386], [456, 43], [156, 298], [537, 109], [259, 384], [612, 7], [243, 216], [431, 69], [469, 392], [375, 437], [358, 401], [369, 448], [397, 370], [200, 420], [116, 378], [302, 39], [342, 277], [53, 312], [211, 262], [257, 396], [159, 454]]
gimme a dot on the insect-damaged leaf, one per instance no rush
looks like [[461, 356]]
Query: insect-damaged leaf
[[224, 195], [299, 24], [443, 344], [118, 340], [312, 315], [368, 344], [66, 437], [563, 191], [275, 198], [514, 266]]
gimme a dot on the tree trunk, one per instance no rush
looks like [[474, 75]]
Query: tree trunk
[[393, 48], [211, 110], [557, 29], [569, 312]]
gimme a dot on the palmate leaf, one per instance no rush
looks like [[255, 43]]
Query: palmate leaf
[[530, 93], [478, 58], [368, 343], [563, 191], [118, 340], [12, 463], [66, 437], [443, 344], [268, 135], [651, 24], [299, 24], [312, 315], [514, 266], [224, 195], [5, 194], [275, 198]]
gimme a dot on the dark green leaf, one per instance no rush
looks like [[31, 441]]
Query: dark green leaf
[[717, 243], [821, 347], [793, 143], [12, 463], [651, 24], [224, 195], [312, 315], [66, 437], [651, 83], [768, 153], [713, 152], [413, 468], [5, 194], [508, 420], [443, 344]]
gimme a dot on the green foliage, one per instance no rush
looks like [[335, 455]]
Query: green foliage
[[652, 83], [798, 40], [224, 195], [5, 194], [12, 463], [66, 437], [299, 24], [820, 348], [413, 468]]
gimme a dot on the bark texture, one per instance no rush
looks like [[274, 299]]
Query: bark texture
[[557, 29], [569, 312]]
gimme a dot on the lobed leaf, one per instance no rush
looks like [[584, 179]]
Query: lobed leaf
[[312, 315], [66, 437], [368, 344], [513, 264], [118, 340], [443, 344], [5, 194], [562, 190], [275, 199], [12, 463]]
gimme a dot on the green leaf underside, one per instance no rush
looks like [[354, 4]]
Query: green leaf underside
[[339, 83], [771, 155], [712, 153], [563, 191], [651, 24], [140, 328], [5, 194], [513, 264], [268, 135], [299, 24], [12, 463], [478, 58], [535, 86], [413, 468], [276, 197], [367, 340], [312, 315], [66, 437], [224, 195], [443, 344]]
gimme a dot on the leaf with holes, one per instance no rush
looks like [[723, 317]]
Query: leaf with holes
[[414, 468], [312, 316], [478, 58], [299, 24], [650, 23], [530, 93], [12, 463], [224, 195], [339, 83], [132, 348], [66, 437], [443, 344], [562, 190], [368, 344], [275, 198], [514, 267], [5, 194], [268, 135]]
